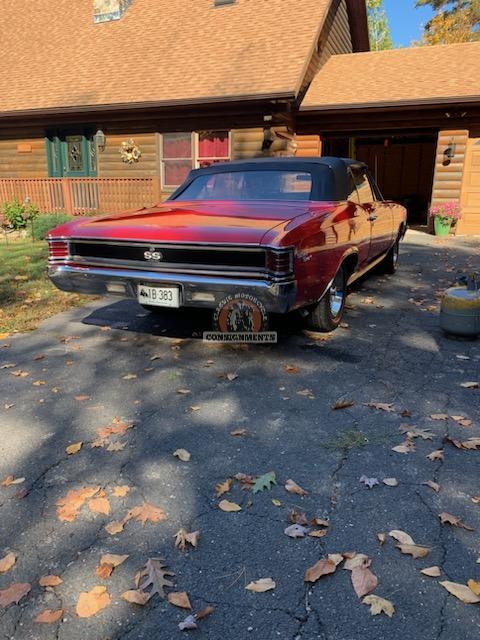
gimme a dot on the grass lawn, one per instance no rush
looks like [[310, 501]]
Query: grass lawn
[[26, 294]]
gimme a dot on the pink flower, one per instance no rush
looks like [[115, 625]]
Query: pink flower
[[450, 209]]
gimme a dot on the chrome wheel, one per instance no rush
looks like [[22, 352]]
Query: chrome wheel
[[337, 295]]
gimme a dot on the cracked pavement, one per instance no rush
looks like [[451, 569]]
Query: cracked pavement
[[392, 351]]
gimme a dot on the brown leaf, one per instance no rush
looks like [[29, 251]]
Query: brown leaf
[[14, 593], [447, 518], [226, 505], [439, 416], [182, 454], [7, 562], [129, 376], [117, 427], [49, 616], [363, 581], [390, 482], [293, 487], [380, 406], [82, 398], [401, 536], [342, 404], [239, 432], [99, 505], [436, 455], [461, 591], [355, 560], [147, 513], [470, 385], [433, 485], [9, 480], [379, 605], [406, 447], [432, 572], [183, 538], [91, 602], [155, 578], [462, 421], [207, 611], [70, 505], [116, 446], [319, 569], [382, 537], [121, 491], [104, 570], [183, 392], [223, 487], [413, 550], [115, 527], [474, 586], [74, 448], [291, 368], [261, 585], [113, 559], [179, 599], [50, 581], [232, 376], [136, 596]]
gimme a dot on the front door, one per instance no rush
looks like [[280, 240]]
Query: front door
[[72, 156]]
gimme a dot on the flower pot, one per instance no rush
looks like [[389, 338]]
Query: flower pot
[[442, 226]]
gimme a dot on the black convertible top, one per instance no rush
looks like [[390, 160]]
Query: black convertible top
[[330, 176]]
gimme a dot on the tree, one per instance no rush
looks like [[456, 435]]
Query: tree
[[378, 26], [454, 21]]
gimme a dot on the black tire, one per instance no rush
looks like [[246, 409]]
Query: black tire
[[327, 315], [389, 264]]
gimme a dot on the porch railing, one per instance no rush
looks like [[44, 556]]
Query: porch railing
[[80, 196]]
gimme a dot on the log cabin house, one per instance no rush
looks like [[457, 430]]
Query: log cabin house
[[107, 104]]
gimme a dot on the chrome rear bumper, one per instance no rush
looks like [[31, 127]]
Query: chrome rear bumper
[[195, 291]]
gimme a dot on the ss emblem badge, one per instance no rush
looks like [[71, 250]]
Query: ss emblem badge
[[156, 256]]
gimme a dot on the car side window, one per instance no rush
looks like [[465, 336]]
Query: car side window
[[352, 195], [363, 185]]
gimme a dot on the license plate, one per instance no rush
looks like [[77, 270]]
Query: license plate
[[159, 296]]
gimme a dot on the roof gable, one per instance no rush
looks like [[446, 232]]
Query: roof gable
[[160, 51]]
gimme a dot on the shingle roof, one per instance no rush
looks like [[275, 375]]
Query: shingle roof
[[421, 75], [54, 56]]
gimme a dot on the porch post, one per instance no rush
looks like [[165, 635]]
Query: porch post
[[68, 196]]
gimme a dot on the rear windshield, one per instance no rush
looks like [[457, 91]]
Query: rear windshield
[[250, 185]]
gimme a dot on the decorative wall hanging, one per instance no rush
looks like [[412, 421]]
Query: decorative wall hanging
[[130, 152]]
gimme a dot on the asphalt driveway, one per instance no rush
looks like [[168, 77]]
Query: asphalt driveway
[[79, 371]]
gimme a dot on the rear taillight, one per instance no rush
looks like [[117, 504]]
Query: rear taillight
[[57, 251], [280, 261]]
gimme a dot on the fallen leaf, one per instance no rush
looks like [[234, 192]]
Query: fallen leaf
[[413, 550], [136, 596], [14, 593], [116, 446], [188, 624], [226, 505], [115, 527], [39, 383], [91, 602], [296, 531], [129, 376], [50, 581], [319, 569], [7, 562], [74, 448], [369, 482], [9, 480], [261, 585], [49, 616], [147, 513], [474, 586], [298, 517], [183, 538], [380, 406], [113, 559], [379, 605], [318, 533], [432, 572], [291, 368], [342, 404], [182, 454], [264, 482], [433, 485], [276, 503], [20, 374], [447, 518], [183, 392], [239, 432], [232, 376], [436, 455], [414, 432], [99, 505], [469, 385], [207, 611], [439, 416], [70, 505], [195, 407], [120, 491], [356, 560], [401, 536], [406, 447], [179, 599], [82, 398], [307, 393], [245, 479], [363, 581], [104, 571], [470, 444], [293, 487], [155, 578], [382, 537], [223, 487], [462, 421], [117, 427], [390, 482], [461, 591]]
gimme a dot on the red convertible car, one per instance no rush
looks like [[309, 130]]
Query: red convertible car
[[291, 232]]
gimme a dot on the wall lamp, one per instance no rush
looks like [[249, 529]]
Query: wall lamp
[[449, 153], [101, 140]]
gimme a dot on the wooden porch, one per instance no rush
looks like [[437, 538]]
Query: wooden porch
[[82, 196]]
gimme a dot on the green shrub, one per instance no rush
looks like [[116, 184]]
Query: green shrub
[[45, 223], [14, 214]]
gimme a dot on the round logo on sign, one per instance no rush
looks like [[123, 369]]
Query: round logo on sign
[[240, 313]]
